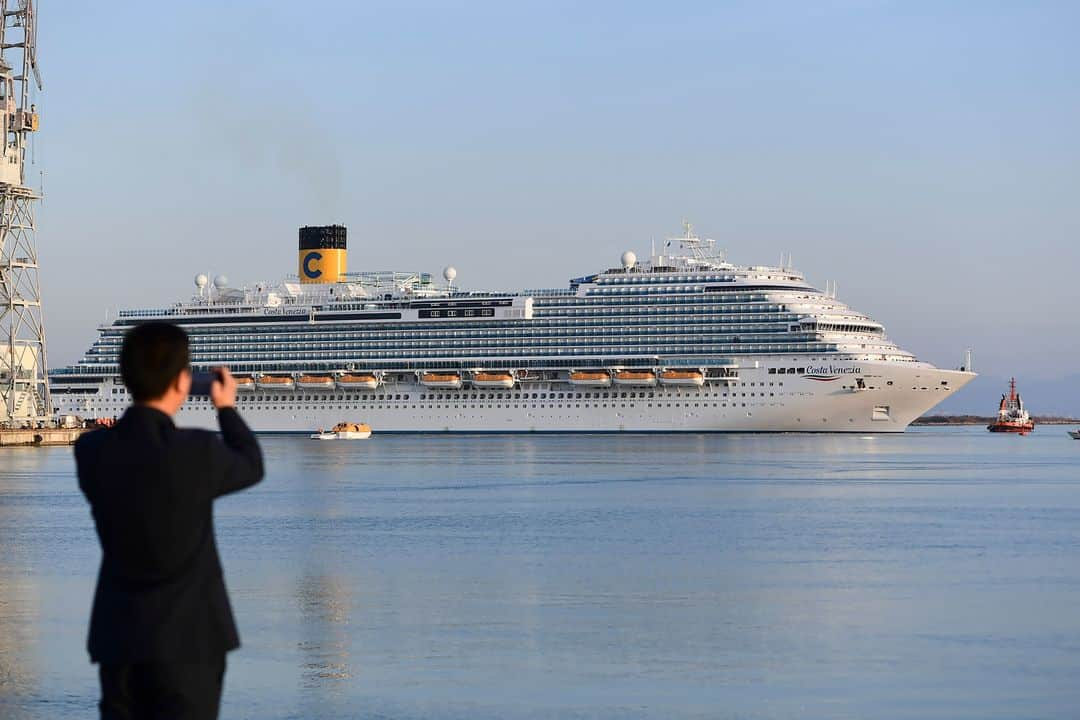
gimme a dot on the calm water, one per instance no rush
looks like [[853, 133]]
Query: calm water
[[930, 575]]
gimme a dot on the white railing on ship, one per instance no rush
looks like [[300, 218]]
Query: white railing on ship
[[157, 312]]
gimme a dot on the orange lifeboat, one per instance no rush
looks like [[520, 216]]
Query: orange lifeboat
[[244, 383], [635, 377], [276, 382], [441, 379], [315, 382], [591, 378], [493, 380], [682, 377], [361, 381]]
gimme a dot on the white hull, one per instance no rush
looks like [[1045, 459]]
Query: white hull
[[896, 393], [359, 385], [683, 382], [603, 383], [497, 384], [341, 435], [274, 387], [640, 382]]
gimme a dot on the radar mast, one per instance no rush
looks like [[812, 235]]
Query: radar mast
[[700, 248]]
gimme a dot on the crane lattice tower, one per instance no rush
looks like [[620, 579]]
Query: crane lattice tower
[[24, 380]]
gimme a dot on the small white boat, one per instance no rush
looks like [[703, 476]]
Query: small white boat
[[315, 382], [344, 431], [682, 377], [362, 381], [591, 378], [275, 382], [1074, 434], [493, 380], [635, 377], [441, 380]]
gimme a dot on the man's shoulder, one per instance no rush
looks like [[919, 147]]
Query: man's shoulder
[[195, 435], [194, 440], [90, 442]]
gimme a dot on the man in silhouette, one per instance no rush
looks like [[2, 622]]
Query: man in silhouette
[[161, 622]]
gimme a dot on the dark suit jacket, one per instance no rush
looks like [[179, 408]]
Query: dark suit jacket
[[151, 486]]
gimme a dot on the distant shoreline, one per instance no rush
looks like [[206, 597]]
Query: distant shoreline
[[981, 420]]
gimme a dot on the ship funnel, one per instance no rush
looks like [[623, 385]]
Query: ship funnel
[[322, 254]]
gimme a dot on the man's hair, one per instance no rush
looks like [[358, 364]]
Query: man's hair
[[154, 353]]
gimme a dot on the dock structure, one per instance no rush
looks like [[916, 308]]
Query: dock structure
[[38, 437], [24, 381]]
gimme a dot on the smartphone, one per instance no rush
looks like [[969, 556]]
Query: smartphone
[[201, 382]]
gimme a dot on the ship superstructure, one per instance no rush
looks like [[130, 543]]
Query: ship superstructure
[[685, 341]]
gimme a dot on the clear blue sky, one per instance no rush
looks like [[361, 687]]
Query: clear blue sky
[[923, 155]]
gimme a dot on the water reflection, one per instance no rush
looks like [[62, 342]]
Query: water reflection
[[20, 601], [324, 605]]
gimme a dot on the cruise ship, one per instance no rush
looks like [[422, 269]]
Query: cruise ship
[[685, 341]]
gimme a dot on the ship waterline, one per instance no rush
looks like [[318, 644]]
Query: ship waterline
[[685, 342]]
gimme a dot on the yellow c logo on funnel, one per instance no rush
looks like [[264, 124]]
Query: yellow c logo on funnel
[[325, 265]]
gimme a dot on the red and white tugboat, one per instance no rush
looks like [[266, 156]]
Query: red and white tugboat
[[1012, 417]]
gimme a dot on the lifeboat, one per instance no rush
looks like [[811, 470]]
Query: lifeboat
[[315, 382], [275, 382], [635, 377], [441, 379], [345, 431], [597, 378], [363, 381], [682, 377], [493, 380], [244, 383]]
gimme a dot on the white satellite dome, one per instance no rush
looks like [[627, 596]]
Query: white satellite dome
[[449, 272], [629, 259], [201, 280], [221, 282]]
